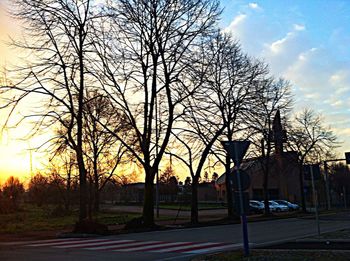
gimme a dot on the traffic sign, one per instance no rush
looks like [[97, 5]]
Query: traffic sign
[[236, 149], [245, 201], [315, 169], [347, 157], [245, 180]]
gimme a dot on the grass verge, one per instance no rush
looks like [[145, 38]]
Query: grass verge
[[280, 255], [31, 218]]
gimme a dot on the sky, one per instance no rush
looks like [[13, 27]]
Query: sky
[[305, 42]]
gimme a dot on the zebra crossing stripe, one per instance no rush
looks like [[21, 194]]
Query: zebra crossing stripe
[[66, 242], [125, 245], [39, 241], [84, 244], [181, 248], [158, 246], [134, 245], [112, 244], [155, 246], [209, 249]]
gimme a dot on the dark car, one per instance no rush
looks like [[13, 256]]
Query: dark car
[[256, 207], [290, 205]]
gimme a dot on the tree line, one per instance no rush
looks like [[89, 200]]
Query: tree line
[[129, 81]]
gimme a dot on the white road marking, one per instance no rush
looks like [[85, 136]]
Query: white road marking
[[84, 244], [171, 249], [115, 246], [160, 245], [211, 249], [66, 242]]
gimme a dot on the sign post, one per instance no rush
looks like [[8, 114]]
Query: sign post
[[312, 172], [236, 150]]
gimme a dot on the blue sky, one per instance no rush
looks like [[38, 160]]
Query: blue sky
[[306, 42]]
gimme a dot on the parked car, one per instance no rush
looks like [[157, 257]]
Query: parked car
[[275, 207], [278, 207], [256, 207], [291, 206]]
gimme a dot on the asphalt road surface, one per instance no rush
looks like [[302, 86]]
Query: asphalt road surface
[[180, 244]]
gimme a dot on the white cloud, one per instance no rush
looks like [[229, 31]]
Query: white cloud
[[254, 6], [278, 46], [340, 81], [299, 27], [237, 21]]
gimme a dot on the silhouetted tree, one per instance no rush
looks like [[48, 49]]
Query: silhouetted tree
[[274, 98], [145, 52], [310, 139], [58, 47], [38, 190], [103, 152], [13, 190]]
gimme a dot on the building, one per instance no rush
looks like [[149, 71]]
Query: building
[[283, 179]]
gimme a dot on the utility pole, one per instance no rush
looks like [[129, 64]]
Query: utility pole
[[327, 185], [314, 196]]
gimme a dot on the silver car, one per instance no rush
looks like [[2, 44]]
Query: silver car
[[291, 206], [278, 207]]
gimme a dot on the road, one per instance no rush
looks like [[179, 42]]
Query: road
[[181, 244], [203, 213]]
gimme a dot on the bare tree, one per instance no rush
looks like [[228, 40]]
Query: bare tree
[[144, 55], [54, 79], [340, 180], [235, 84], [274, 97], [310, 139], [227, 79], [103, 152]]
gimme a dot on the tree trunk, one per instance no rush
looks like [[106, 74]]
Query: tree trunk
[[148, 203], [96, 188], [96, 197], [266, 193], [229, 194], [83, 191], [301, 182], [68, 191], [79, 150], [194, 201], [266, 170], [266, 186]]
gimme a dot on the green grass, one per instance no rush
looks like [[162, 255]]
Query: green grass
[[31, 218]]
